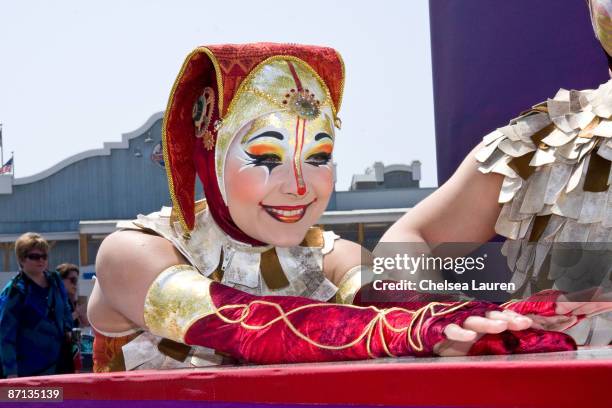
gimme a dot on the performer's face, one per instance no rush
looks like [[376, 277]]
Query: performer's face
[[279, 176]]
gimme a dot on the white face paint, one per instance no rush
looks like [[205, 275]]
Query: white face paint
[[278, 176]]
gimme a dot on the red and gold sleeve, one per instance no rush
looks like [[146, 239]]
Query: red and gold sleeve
[[185, 306]]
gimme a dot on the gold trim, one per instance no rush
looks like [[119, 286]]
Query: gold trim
[[174, 350], [341, 81], [271, 270], [177, 298], [199, 206], [349, 286], [508, 303], [180, 296], [218, 75], [284, 316], [368, 332], [598, 171], [540, 223], [419, 315], [213, 59], [220, 101], [587, 132], [244, 84], [313, 238], [280, 104]]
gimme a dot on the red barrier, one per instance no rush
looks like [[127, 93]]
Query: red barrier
[[569, 379]]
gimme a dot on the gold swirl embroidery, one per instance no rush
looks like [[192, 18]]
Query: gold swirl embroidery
[[508, 303], [368, 332], [180, 296]]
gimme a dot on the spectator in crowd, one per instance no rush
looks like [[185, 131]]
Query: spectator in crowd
[[70, 276], [35, 318]]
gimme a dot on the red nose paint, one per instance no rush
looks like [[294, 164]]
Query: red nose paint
[[300, 129]]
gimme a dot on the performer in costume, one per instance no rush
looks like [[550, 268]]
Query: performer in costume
[[256, 123], [550, 171]]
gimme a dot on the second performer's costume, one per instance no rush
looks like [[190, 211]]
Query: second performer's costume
[[556, 194], [221, 302]]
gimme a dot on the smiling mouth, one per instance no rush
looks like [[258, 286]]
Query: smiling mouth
[[286, 213]]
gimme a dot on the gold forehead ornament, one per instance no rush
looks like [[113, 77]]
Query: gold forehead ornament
[[302, 103]]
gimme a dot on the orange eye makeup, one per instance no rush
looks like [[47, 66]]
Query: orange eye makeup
[[283, 138], [325, 147], [319, 154], [263, 148]]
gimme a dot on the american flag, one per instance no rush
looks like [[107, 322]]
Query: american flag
[[8, 167]]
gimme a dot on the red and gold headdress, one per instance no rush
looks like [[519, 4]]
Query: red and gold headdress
[[219, 89]]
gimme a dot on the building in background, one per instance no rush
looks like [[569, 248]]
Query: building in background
[[78, 202], [380, 176]]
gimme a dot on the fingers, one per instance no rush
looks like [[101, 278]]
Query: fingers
[[514, 320], [497, 321], [494, 322], [460, 339], [456, 333], [485, 325]]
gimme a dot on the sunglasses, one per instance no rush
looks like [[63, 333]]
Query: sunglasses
[[36, 257]]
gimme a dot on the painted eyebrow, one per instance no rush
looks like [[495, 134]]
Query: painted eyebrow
[[269, 133], [322, 135]]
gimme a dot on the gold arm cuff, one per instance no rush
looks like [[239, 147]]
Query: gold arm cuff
[[178, 297], [349, 286]]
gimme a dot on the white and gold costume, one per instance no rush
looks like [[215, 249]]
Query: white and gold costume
[[265, 270], [556, 162]]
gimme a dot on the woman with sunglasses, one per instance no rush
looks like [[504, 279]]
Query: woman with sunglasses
[[70, 277], [35, 319]]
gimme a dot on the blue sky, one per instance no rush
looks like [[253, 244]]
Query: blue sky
[[76, 74]]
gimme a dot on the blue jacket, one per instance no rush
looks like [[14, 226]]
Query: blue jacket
[[33, 323]]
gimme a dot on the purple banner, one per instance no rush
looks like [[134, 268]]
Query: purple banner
[[493, 59]]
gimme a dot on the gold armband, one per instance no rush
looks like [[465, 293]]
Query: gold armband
[[349, 286], [178, 297]]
